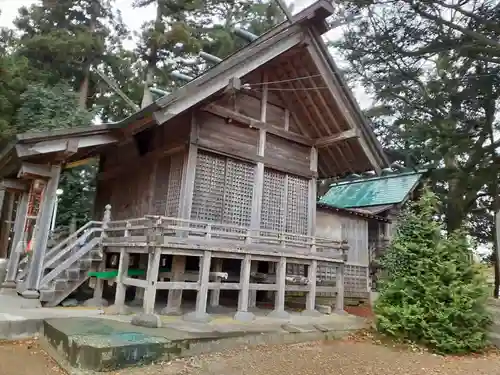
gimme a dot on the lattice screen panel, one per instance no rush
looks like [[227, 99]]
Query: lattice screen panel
[[327, 273], [355, 279], [162, 172], [174, 185], [208, 193], [238, 191], [273, 198], [297, 205]]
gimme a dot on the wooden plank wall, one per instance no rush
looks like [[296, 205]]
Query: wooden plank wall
[[137, 184]]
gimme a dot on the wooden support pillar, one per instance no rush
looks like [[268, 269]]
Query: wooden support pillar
[[339, 305], [152, 279], [139, 292], [279, 304], [215, 293], [174, 300], [97, 300], [252, 297], [41, 234], [189, 172], [17, 243], [6, 216], [4, 196], [200, 313], [243, 314], [121, 288], [312, 271]]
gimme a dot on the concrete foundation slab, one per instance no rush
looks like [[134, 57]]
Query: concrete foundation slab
[[111, 342]]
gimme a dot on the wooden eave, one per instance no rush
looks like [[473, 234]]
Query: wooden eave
[[352, 212], [56, 146]]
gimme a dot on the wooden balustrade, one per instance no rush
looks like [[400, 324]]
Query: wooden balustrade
[[138, 232]]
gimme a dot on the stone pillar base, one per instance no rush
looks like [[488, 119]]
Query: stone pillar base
[[146, 320]]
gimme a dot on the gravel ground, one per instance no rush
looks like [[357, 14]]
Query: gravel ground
[[25, 358], [355, 356]]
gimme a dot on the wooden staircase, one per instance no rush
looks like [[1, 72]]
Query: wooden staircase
[[67, 264]]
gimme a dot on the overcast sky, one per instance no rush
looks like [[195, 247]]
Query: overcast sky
[[134, 18]]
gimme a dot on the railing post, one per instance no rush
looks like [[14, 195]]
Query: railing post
[[312, 274], [121, 288], [344, 247], [248, 237], [154, 237], [97, 299], [16, 247]]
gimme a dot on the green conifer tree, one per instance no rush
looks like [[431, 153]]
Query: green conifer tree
[[432, 293]]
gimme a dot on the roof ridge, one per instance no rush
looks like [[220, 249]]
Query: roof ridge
[[360, 179]]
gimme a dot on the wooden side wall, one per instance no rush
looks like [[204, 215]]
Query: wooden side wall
[[342, 227], [144, 175]]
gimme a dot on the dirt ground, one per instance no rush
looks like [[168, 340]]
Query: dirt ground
[[354, 356]]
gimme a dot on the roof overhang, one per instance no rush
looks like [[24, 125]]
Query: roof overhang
[[55, 147], [352, 212]]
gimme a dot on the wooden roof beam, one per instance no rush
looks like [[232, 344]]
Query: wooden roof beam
[[335, 89], [311, 121], [11, 184], [330, 140], [69, 146], [34, 171], [254, 123]]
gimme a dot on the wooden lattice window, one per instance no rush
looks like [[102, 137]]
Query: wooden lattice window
[[297, 205], [208, 192], [223, 190], [167, 185], [272, 215], [174, 185], [238, 191]]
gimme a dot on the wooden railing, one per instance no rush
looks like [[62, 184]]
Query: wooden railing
[[148, 228]]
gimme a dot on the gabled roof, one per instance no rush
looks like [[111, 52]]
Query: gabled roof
[[305, 79], [303, 74], [375, 192]]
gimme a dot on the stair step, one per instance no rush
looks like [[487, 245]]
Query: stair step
[[47, 294]]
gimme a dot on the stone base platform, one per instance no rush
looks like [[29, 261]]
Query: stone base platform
[[104, 344]]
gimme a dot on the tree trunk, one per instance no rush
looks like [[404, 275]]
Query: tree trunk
[[147, 98], [455, 205], [83, 93]]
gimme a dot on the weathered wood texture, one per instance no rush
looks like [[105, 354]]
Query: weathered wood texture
[[355, 231], [143, 176], [223, 190]]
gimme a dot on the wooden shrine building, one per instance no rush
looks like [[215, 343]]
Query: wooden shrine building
[[223, 171]]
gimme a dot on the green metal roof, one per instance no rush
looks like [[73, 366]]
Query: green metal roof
[[372, 191]]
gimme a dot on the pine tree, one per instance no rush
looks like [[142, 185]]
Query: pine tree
[[431, 293]]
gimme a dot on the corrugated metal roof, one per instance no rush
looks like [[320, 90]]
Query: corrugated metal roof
[[371, 191]]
